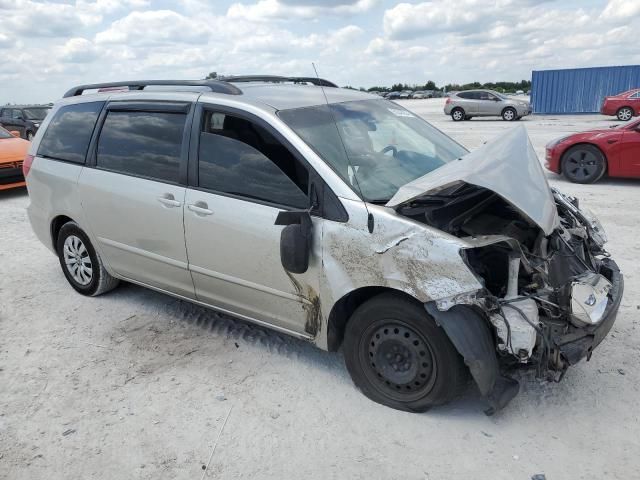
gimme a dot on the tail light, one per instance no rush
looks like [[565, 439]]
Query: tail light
[[448, 101], [26, 165]]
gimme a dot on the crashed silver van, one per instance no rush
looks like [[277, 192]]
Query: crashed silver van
[[331, 215]]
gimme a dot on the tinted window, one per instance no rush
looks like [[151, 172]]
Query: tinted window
[[241, 158], [146, 144], [635, 95], [466, 95], [69, 132]]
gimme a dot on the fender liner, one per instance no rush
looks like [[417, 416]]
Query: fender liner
[[471, 336]]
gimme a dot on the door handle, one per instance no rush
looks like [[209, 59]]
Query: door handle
[[200, 208], [168, 200]]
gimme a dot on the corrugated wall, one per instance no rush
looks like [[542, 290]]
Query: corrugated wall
[[580, 90]]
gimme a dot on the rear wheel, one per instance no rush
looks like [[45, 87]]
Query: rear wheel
[[81, 264], [509, 114], [398, 356], [457, 114], [583, 164], [625, 114]]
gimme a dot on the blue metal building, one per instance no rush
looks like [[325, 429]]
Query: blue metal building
[[580, 90]]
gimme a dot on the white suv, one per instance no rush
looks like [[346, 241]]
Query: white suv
[[331, 215]]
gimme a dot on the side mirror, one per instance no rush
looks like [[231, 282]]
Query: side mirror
[[295, 240], [15, 133]]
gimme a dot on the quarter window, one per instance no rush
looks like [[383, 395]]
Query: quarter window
[[145, 144], [635, 95], [69, 132], [238, 157]]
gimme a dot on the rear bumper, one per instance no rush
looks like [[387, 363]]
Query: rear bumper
[[579, 344]]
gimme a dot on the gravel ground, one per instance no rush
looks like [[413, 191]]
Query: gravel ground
[[135, 384]]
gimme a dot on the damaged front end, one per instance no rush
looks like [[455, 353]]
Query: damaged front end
[[550, 290]]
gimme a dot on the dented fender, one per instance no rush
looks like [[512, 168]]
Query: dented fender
[[399, 254]]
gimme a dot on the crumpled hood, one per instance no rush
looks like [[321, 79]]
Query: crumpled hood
[[507, 165]]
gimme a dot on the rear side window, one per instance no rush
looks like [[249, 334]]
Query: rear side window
[[465, 95], [240, 158], [69, 132], [143, 144]]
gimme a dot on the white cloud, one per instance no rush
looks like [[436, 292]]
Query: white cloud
[[621, 9], [266, 10]]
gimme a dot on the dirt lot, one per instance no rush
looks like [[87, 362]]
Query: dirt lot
[[135, 384]]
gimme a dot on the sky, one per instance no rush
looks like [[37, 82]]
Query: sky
[[46, 47]]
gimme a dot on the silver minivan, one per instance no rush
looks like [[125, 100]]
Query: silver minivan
[[485, 103], [331, 215]]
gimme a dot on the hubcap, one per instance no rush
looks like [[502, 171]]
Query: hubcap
[[582, 164], [401, 361], [457, 114], [625, 114], [77, 260], [508, 115]]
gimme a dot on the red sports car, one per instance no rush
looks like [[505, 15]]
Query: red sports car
[[585, 157], [624, 105]]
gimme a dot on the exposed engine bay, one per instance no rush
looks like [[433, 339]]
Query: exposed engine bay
[[545, 296]]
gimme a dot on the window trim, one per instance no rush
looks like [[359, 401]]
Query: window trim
[[152, 106], [85, 163], [337, 213]]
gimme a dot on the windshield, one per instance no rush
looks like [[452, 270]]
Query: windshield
[[35, 113], [387, 145], [4, 133]]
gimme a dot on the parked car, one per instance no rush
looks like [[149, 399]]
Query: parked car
[[393, 95], [586, 157], [406, 94], [625, 105], [419, 94], [13, 150], [485, 103], [331, 215], [25, 119]]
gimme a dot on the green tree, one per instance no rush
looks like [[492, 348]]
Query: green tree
[[212, 76]]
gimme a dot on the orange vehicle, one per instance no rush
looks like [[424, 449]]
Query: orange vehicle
[[13, 149]]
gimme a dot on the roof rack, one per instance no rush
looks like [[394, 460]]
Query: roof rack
[[320, 82], [214, 85]]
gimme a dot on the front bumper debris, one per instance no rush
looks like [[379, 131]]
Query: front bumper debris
[[580, 343]]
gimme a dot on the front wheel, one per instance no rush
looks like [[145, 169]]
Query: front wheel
[[398, 356], [583, 164], [509, 114], [625, 114], [81, 264]]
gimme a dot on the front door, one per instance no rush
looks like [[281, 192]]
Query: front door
[[629, 155], [132, 197], [244, 178]]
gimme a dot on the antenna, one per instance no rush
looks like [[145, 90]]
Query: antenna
[[346, 153]]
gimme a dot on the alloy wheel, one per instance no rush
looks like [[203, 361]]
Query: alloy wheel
[[582, 164], [77, 260], [625, 114]]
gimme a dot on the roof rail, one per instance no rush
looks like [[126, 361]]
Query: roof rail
[[214, 85], [320, 82]]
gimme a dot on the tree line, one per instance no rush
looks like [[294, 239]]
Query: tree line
[[504, 87]]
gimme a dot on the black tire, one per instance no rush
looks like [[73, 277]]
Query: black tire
[[457, 114], [509, 114], [583, 164], [98, 281], [624, 114], [468, 117], [398, 356]]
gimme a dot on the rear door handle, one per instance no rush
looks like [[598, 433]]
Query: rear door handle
[[168, 200], [200, 208]]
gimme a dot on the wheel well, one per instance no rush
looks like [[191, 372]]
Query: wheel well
[[56, 225], [509, 107], [626, 106], [344, 308], [457, 108], [606, 160]]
